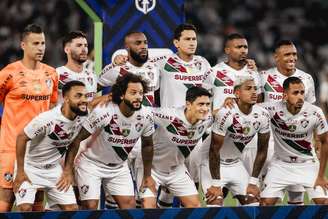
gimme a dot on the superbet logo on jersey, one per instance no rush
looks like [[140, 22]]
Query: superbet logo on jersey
[[273, 96]]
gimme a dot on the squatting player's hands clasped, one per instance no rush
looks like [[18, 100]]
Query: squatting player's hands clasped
[[214, 193]]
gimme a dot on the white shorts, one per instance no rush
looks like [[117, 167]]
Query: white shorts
[[249, 154], [282, 174], [193, 162], [178, 181], [115, 179], [45, 177], [234, 177]]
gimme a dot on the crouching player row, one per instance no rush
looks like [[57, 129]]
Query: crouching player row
[[292, 121]]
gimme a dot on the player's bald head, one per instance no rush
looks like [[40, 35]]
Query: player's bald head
[[131, 36]]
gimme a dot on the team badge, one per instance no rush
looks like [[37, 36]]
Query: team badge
[[125, 132], [304, 123], [246, 130], [84, 189], [49, 83], [145, 6], [256, 125], [139, 127], [281, 113], [37, 86], [292, 128], [8, 177], [201, 129], [90, 80], [22, 193], [151, 75], [191, 134]]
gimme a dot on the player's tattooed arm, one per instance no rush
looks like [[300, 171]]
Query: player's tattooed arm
[[214, 193], [67, 176], [262, 149], [214, 155], [147, 150], [147, 154]]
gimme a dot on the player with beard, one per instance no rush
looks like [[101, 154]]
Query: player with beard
[[137, 63], [118, 125], [294, 162], [75, 46], [28, 87], [41, 145], [285, 57], [232, 130]]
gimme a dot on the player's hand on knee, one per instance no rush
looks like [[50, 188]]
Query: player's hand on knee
[[253, 191], [214, 193], [251, 64], [65, 181], [148, 182], [120, 59], [229, 103], [19, 179], [323, 182]]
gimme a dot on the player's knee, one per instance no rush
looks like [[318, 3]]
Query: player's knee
[[320, 201], [130, 203], [90, 204], [268, 201], [24, 207], [191, 202], [72, 207], [5, 206]]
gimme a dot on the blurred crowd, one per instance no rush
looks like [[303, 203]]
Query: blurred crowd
[[305, 22], [57, 17]]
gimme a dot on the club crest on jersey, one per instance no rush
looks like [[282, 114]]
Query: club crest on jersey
[[292, 128], [22, 193], [145, 6], [201, 129], [151, 75], [8, 177], [281, 113], [256, 125], [246, 130], [90, 80], [139, 127], [37, 86], [125, 132], [49, 83], [304, 123], [84, 189], [191, 134]]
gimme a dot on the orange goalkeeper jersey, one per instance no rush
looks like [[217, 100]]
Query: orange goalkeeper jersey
[[25, 93]]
